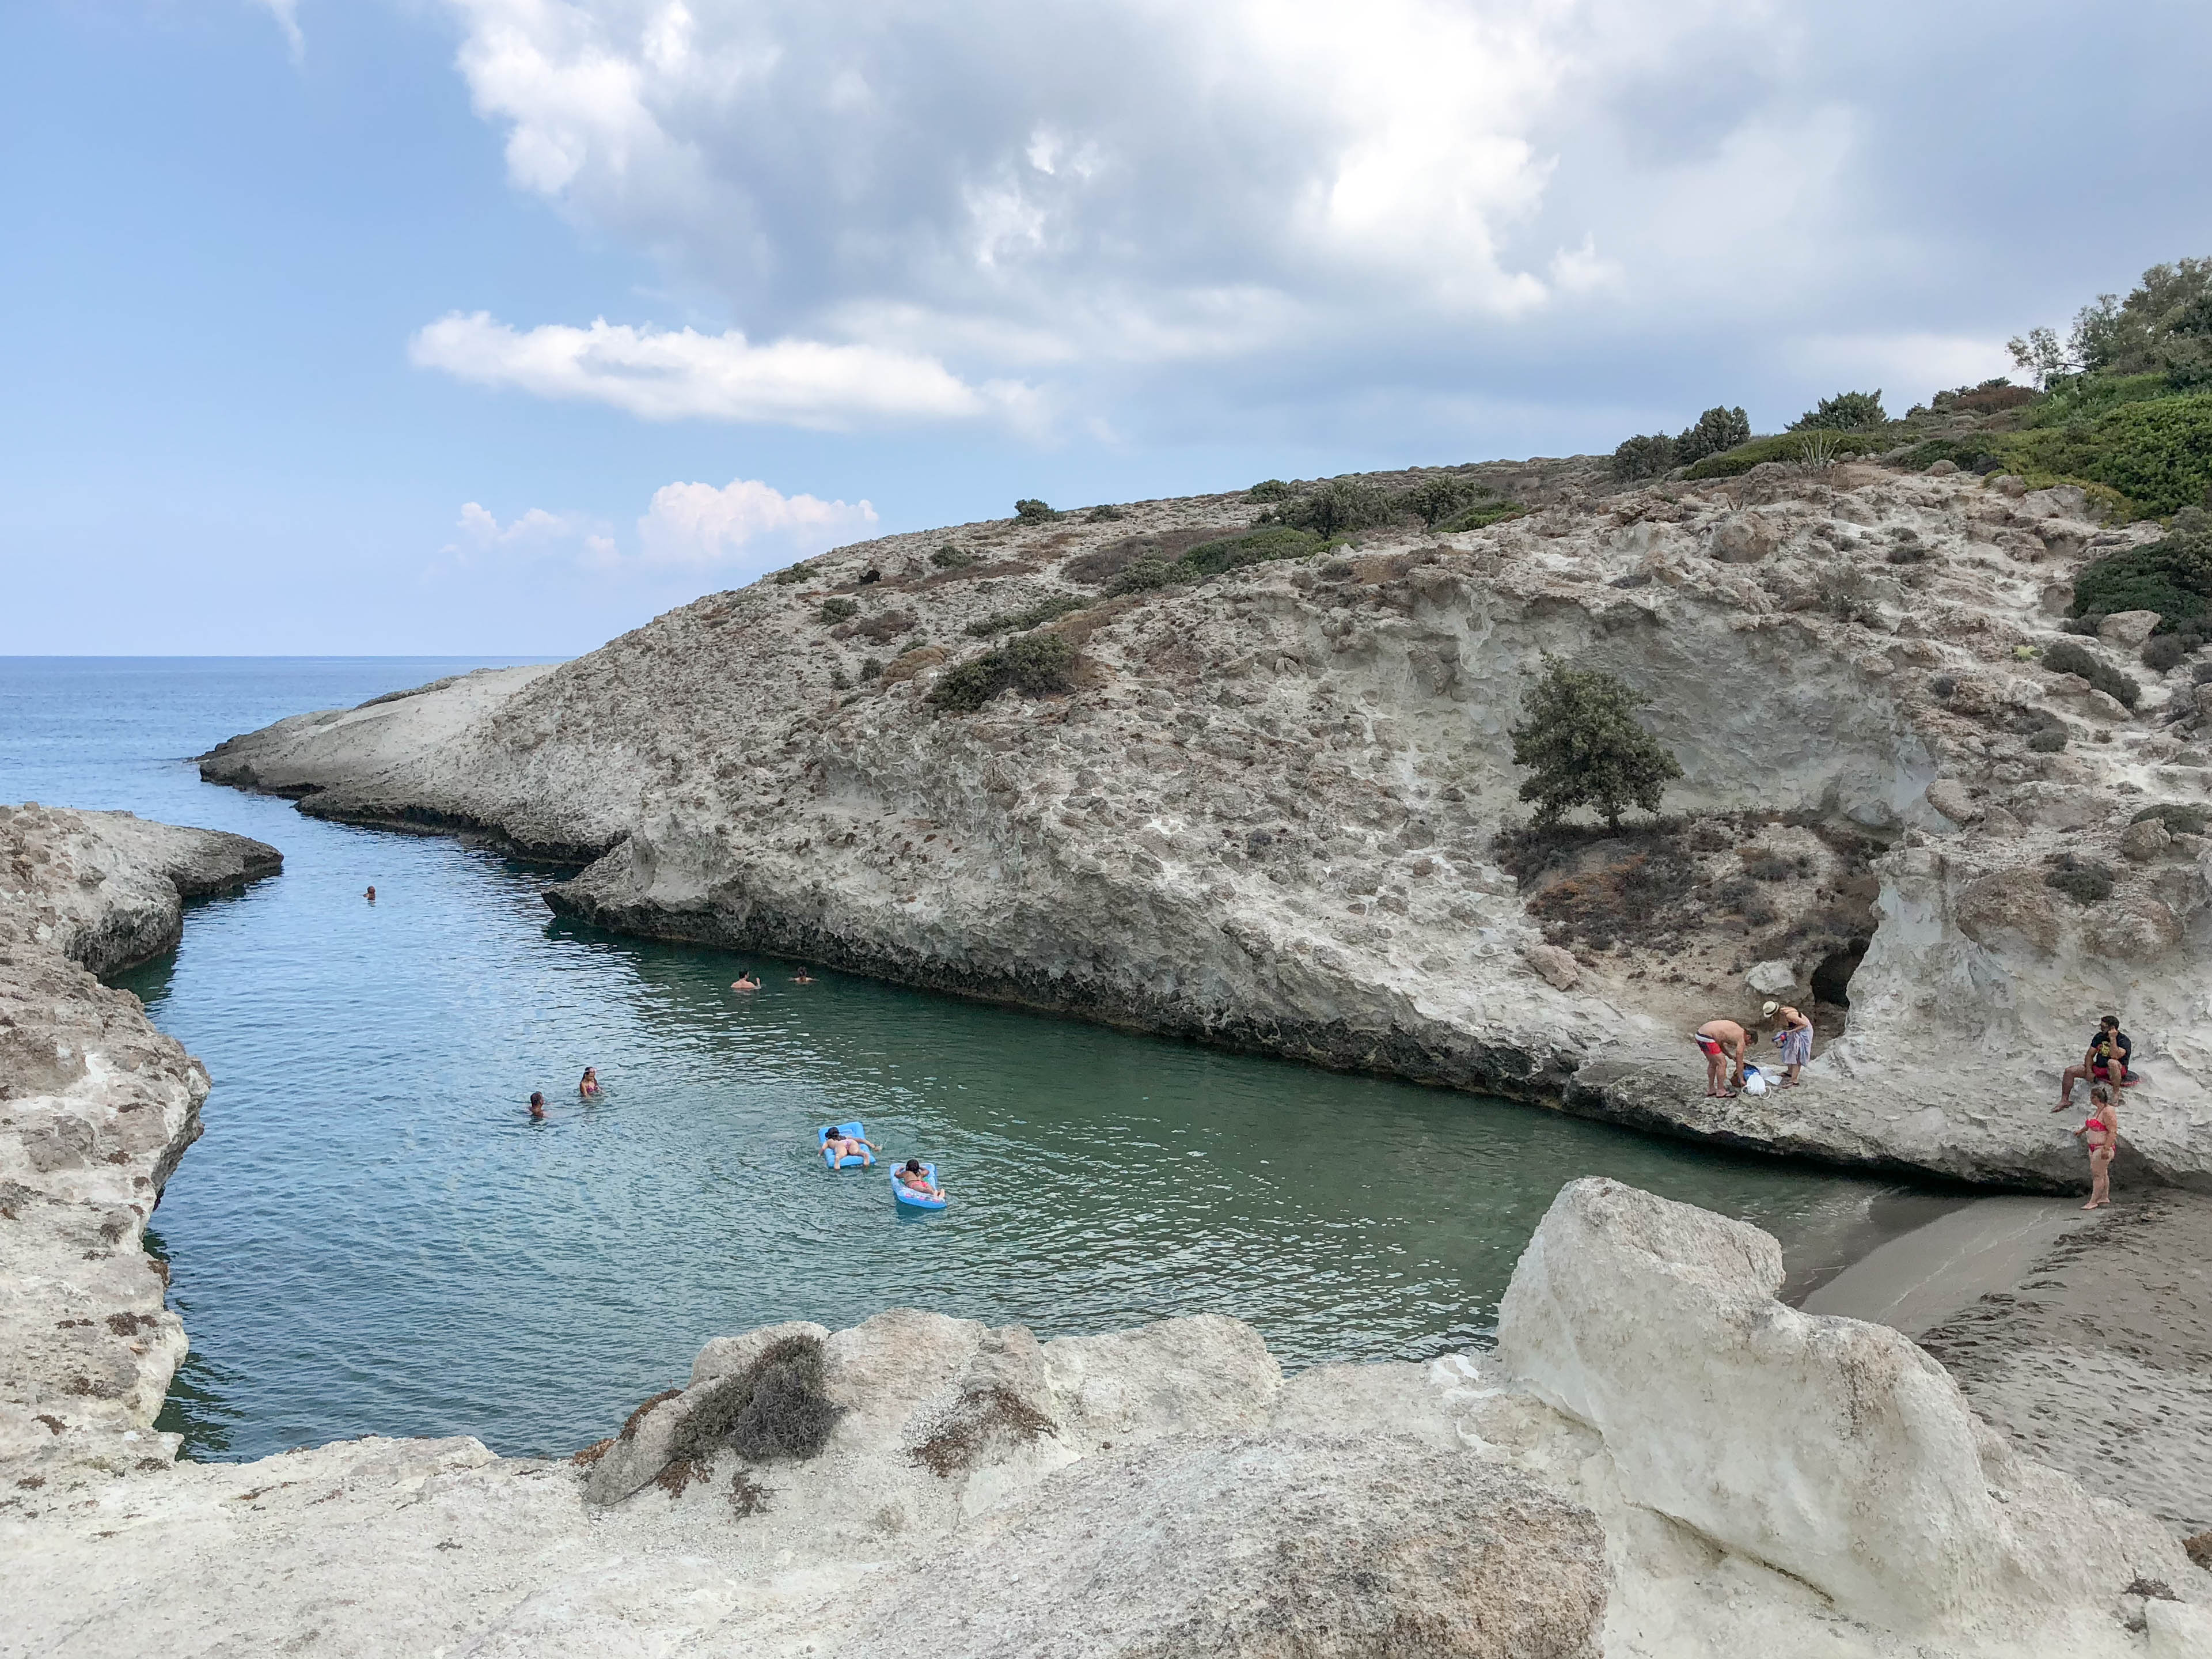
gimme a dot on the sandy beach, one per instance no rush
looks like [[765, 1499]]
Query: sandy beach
[[2086, 1339]]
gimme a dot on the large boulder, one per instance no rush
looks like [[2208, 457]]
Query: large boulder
[[1834, 1450], [1281, 1546]]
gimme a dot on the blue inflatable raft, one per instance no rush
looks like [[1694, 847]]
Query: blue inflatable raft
[[851, 1131], [912, 1199]]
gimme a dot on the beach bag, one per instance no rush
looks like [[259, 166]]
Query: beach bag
[[1754, 1081]]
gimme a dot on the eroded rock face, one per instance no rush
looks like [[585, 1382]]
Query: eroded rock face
[[96, 1108], [1265, 812], [1832, 1449], [1283, 1547]]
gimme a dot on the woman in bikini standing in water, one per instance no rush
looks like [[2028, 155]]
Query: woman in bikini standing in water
[[2101, 1134]]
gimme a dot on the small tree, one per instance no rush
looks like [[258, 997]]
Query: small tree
[[1644, 456], [1583, 748], [1337, 507], [1436, 499], [1034, 512], [1847, 411], [1719, 429]]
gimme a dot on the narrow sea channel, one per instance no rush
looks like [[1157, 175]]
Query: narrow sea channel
[[372, 1237]]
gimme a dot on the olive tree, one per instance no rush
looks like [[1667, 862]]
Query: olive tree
[[1582, 746]]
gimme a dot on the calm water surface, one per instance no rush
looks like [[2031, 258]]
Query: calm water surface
[[372, 1237]]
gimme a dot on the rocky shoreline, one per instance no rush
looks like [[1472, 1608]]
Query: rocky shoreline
[[96, 1108], [1275, 809], [1660, 1459]]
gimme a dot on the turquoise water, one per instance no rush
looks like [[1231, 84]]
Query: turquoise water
[[372, 1237]]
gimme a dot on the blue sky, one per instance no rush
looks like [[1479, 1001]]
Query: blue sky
[[499, 325]]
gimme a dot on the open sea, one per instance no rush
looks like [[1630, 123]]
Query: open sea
[[372, 1237]]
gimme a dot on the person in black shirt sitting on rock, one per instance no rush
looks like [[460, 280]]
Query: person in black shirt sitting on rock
[[2106, 1061]]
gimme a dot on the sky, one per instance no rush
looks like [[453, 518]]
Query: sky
[[502, 325]]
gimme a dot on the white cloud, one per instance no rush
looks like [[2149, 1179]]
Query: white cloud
[[1154, 213], [744, 523], [676, 374], [742, 528], [287, 14]]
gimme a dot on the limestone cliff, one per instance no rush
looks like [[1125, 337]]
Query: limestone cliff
[[1275, 809], [96, 1108]]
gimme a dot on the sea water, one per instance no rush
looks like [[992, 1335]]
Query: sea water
[[373, 1237]]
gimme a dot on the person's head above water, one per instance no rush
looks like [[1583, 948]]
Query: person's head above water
[[537, 1104]]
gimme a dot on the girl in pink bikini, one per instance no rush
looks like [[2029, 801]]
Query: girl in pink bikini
[[2101, 1134]]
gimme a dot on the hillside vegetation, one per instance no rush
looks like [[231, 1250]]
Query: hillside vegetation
[[2123, 408]]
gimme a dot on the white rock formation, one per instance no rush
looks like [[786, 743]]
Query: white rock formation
[[1266, 812], [1833, 1450], [1681, 1468], [96, 1108]]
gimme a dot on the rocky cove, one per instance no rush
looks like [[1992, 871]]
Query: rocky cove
[[1658, 1458], [1276, 810]]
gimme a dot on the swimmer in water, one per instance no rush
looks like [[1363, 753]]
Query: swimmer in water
[[537, 1105], [914, 1180], [744, 982], [370, 895], [837, 1147], [802, 977], [589, 1089]]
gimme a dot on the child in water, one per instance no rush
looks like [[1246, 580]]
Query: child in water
[[537, 1105], [914, 1180], [589, 1089]]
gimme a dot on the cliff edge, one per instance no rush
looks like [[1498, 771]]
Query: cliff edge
[[96, 1108]]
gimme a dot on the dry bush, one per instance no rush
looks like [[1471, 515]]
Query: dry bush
[[774, 1408], [979, 1414], [593, 1453]]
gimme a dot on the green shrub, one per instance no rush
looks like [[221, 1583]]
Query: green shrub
[[1847, 411], [949, 558], [2082, 397], [1270, 490], [2164, 651], [1211, 558], [1435, 499], [1034, 664], [795, 573], [2156, 453], [871, 668], [1967, 455], [1647, 455], [2173, 577], [1254, 547], [1481, 514], [1784, 445], [2178, 819], [1034, 512], [1104, 515], [1030, 616], [1336, 508], [1583, 748], [1039, 663], [2047, 740], [1715, 432], [2067, 657], [2082, 880], [1142, 577], [840, 610]]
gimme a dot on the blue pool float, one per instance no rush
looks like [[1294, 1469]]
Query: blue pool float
[[914, 1200], [851, 1160]]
